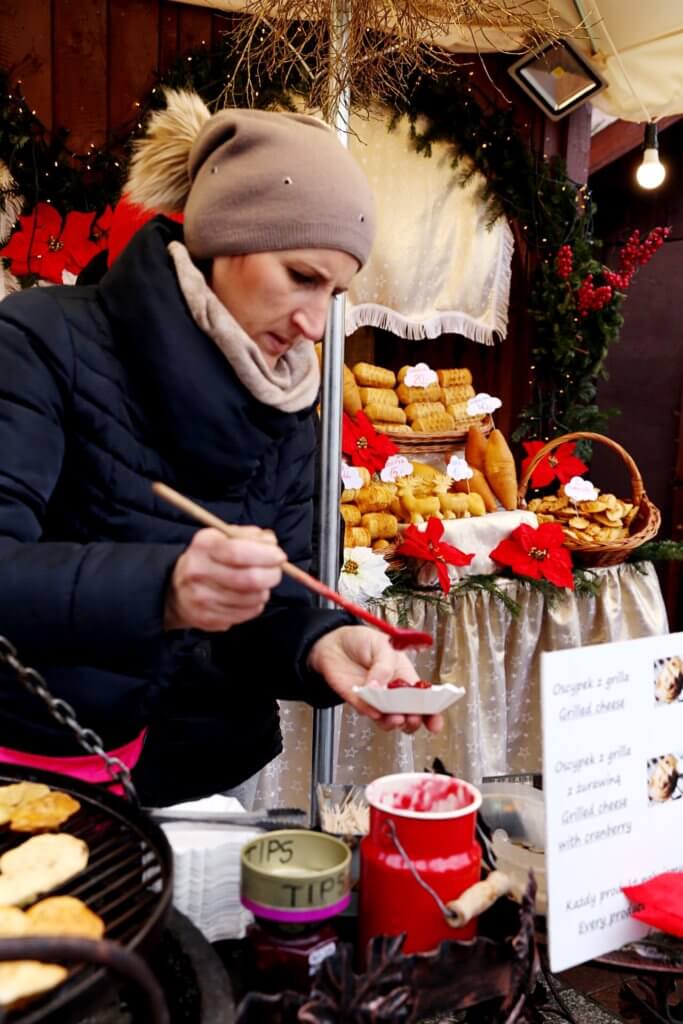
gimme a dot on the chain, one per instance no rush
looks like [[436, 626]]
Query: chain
[[65, 715]]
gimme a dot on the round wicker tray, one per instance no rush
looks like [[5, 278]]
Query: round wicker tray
[[426, 444], [644, 526]]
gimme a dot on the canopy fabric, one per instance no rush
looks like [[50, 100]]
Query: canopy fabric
[[647, 37]]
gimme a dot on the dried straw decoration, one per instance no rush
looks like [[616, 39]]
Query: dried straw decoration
[[372, 46]]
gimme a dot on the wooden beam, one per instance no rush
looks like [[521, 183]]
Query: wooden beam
[[618, 138], [578, 144]]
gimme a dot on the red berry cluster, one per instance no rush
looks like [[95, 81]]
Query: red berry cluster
[[564, 262], [635, 254], [589, 298]]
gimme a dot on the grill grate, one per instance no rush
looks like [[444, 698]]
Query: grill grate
[[128, 880]]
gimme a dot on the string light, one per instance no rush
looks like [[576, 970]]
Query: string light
[[651, 171]]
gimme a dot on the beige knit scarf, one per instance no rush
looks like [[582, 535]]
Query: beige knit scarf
[[291, 385]]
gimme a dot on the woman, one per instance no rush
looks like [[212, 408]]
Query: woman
[[190, 362]]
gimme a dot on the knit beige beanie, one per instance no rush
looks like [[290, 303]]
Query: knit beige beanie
[[252, 181]]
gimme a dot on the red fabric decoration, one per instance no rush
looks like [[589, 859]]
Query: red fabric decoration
[[661, 900], [46, 246], [428, 547], [561, 463], [537, 553], [29, 246], [83, 238], [363, 445], [128, 218]]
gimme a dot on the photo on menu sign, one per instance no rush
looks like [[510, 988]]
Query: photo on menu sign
[[664, 778], [668, 676]]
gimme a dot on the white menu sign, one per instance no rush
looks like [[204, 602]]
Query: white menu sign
[[613, 754]]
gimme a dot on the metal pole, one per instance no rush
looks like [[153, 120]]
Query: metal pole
[[322, 769]]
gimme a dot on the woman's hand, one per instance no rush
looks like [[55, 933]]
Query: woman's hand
[[220, 581], [355, 655]]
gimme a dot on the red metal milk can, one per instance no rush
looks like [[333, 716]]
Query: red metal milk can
[[419, 854]]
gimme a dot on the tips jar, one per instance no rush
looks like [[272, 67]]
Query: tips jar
[[422, 826]]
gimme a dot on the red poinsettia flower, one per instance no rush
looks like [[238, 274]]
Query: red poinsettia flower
[[538, 553], [428, 547], [83, 238], [34, 248], [562, 463], [45, 245], [363, 445]]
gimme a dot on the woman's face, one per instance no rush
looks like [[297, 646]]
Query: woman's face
[[281, 298]]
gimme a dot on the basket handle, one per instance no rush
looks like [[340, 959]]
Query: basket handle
[[637, 488]]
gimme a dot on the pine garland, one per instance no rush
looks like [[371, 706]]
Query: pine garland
[[45, 169], [657, 551], [403, 589]]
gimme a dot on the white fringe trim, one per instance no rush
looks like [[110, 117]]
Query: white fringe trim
[[501, 296], [371, 314], [368, 314]]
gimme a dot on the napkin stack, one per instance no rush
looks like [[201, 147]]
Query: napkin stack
[[206, 862]]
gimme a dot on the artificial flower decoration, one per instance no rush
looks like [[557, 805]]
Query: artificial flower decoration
[[49, 247], [35, 248], [537, 553], [428, 547], [363, 445], [83, 237], [660, 902], [363, 575], [562, 463]]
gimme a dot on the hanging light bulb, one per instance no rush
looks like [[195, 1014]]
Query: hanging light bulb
[[651, 172]]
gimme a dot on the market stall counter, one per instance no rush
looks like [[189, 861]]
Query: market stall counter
[[494, 652]]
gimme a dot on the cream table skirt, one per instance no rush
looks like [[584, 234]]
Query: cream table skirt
[[496, 728]]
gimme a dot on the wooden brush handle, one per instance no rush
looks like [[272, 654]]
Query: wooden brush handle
[[401, 637], [202, 515]]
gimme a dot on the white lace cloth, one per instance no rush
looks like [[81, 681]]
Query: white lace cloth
[[496, 727]]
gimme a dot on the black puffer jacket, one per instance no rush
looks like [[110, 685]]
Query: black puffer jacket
[[104, 389]]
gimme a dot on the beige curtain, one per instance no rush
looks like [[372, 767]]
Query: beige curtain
[[496, 727], [438, 265]]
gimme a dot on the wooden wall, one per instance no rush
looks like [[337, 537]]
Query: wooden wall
[[85, 64], [646, 366]]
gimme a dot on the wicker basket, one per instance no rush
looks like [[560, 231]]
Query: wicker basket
[[644, 526], [435, 444]]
